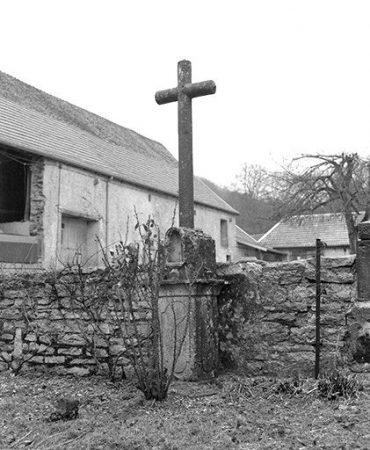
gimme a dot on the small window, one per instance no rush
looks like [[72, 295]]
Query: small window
[[224, 233], [78, 241]]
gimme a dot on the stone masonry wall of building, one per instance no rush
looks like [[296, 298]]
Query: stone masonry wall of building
[[37, 201], [267, 316]]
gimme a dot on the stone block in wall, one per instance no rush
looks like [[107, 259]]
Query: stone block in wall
[[341, 294], [70, 351], [100, 342], [6, 354], [56, 314], [102, 353], [298, 348], [332, 318], [41, 348], [306, 319], [12, 295], [333, 270], [7, 327], [82, 361], [43, 301], [74, 340], [271, 332], [284, 273], [284, 318], [44, 339], [301, 296], [47, 326], [6, 302], [7, 337], [37, 359], [303, 335], [31, 337], [11, 314], [55, 359], [117, 349], [302, 357]]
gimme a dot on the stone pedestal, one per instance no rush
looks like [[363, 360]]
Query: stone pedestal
[[358, 318], [363, 261], [188, 318], [188, 305]]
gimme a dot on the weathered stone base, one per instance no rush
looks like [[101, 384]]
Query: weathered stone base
[[188, 317], [358, 345]]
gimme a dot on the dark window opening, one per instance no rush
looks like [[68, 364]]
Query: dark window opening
[[224, 233], [14, 188]]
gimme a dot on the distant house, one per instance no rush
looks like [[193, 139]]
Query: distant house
[[69, 178], [297, 235], [248, 248]]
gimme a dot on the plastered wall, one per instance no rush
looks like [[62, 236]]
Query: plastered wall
[[114, 206]]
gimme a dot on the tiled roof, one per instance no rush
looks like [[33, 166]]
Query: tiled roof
[[39, 123], [302, 231], [242, 237], [55, 108]]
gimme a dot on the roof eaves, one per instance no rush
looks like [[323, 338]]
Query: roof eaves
[[18, 146], [249, 244]]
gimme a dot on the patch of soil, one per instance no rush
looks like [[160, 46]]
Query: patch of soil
[[230, 413]]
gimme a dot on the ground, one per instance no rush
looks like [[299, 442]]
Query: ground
[[230, 413]]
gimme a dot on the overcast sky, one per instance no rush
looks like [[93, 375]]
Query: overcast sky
[[292, 76]]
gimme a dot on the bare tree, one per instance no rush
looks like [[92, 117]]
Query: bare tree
[[339, 183], [253, 180]]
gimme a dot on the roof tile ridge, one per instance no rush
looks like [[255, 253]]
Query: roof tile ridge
[[269, 231]]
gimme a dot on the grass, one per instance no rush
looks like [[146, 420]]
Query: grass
[[231, 413]]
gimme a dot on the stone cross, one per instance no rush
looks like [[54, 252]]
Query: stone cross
[[183, 94]]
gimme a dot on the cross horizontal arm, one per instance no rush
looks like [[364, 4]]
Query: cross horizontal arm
[[167, 96], [192, 90], [199, 89]]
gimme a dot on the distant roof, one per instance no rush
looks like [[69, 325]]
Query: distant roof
[[34, 121], [242, 237], [302, 231], [257, 237]]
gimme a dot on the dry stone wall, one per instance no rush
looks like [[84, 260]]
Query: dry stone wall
[[41, 327], [267, 316], [266, 320]]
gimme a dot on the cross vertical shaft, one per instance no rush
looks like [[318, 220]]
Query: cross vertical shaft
[[183, 94], [185, 124]]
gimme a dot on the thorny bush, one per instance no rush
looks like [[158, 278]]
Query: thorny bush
[[121, 304]]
